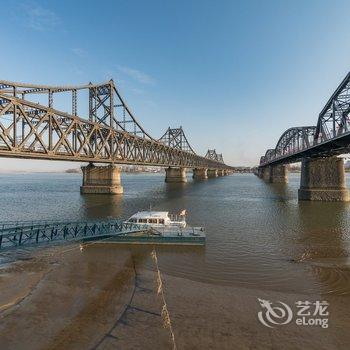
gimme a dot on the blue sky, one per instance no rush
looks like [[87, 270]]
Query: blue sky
[[234, 74]]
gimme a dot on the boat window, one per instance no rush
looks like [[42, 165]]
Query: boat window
[[152, 221], [161, 221], [144, 221]]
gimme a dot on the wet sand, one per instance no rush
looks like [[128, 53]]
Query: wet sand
[[64, 298], [104, 298]]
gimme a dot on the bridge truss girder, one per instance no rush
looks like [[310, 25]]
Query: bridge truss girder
[[30, 130], [217, 157], [106, 106], [329, 137], [176, 138], [292, 140], [334, 118]]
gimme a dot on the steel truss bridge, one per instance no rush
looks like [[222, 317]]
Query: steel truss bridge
[[31, 127], [330, 136]]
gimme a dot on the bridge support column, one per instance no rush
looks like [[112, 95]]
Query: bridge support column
[[200, 174], [212, 173], [323, 179], [101, 180], [266, 173], [175, 175], [278, 174], [220, 172]]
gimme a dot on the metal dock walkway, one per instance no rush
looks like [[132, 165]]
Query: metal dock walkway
[[28, 233]]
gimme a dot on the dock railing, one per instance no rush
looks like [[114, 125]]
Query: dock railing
[[16, 234]]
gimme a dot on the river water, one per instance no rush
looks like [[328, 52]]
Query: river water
[[255, 231], [258, 235]]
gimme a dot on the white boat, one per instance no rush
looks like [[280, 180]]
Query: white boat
[[159, 218], [166, 228]]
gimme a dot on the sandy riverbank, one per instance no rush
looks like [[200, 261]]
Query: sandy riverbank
[[104, 298]]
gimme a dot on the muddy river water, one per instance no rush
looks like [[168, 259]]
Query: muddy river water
[[266, 254]]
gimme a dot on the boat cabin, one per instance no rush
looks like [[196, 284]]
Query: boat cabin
[[158, 218]]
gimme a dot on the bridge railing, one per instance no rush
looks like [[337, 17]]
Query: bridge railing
[[15, 234]]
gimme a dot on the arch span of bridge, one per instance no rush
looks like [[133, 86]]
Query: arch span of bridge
[[317, 147], [32, 126]]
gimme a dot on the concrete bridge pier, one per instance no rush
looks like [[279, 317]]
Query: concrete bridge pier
[[212, 173], [279, 174], [220, 172], [101, 180], [265, 173], [175, 175], [200, 173], [323, 179]]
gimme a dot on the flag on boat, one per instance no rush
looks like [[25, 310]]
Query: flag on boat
[[183, 212]]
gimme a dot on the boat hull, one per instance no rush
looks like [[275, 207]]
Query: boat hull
[[157, 240]]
